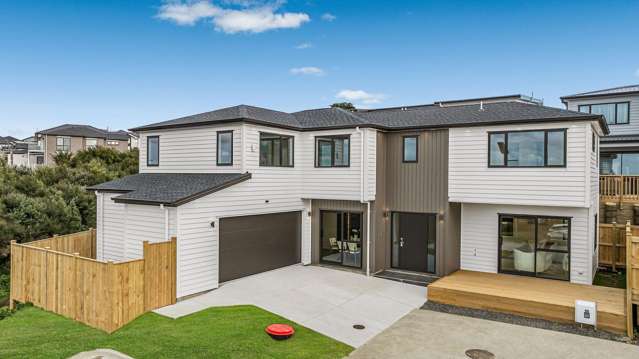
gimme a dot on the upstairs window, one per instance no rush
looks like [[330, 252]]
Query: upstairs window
[[409, 149], [153, 151], [615, 113], [63, 144], [332, 151], [224, 148], [276, 150], [542, 148]]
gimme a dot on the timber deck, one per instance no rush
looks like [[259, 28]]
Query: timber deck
[[530, 297]]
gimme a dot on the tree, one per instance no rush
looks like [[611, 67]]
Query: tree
[[345, 106], [49, 200]]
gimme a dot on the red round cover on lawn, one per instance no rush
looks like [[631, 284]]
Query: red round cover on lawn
[[280, 329]]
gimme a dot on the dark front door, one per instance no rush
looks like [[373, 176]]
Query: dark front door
[[413, 242], [254, 244]]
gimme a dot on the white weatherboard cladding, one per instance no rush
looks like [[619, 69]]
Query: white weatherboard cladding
[[479, 237], [191, 150], [198, 242], [631, 128], [472, 181], [121, 228], [110, 229]]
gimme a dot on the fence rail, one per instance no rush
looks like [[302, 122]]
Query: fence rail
[[619, 188], [104, 295]]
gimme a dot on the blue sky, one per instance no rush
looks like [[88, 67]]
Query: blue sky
[[119, 64]]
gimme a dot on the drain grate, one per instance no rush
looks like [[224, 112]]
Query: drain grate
[[479, 354], [359, 326]]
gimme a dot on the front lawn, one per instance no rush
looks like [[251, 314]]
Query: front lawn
[[226, 332]]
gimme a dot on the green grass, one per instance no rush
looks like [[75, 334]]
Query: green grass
[[610, 279], [226, 332]]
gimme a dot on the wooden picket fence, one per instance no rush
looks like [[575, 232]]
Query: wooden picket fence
[[104, 295], [612, 244], [632, 276]]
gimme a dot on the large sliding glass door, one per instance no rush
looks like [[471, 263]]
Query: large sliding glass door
[[341, 238], [534, 245]]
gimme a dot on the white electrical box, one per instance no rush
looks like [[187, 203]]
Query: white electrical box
[[586, 312]]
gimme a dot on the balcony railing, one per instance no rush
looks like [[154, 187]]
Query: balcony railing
[[619, 188]]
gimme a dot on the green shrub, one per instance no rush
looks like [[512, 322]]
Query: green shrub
[[36, 204]]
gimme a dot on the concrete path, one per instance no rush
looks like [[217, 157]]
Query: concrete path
[[101, 354], [434, 335], [329, 301]]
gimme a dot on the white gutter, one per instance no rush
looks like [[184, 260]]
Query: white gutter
[[363, 200], [166, 221]]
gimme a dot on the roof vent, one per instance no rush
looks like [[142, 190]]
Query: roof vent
[[481, 105]]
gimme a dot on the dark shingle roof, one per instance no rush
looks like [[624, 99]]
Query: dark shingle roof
[[229, 114], [470, 115], [171, 189], [606, 92], [425, 116], [85, 131]]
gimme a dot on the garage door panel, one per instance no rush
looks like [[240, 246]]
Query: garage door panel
[[254, 244]]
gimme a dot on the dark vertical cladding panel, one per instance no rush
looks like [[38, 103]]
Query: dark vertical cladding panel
[[416, 187], [254, 244], [318, 205], [381, 231]]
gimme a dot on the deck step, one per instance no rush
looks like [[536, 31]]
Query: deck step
[[409, 278]]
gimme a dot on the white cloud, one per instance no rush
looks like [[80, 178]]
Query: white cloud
[[328, 17], [360, 96], [307, 70], [304, 45], [257, 20], [187, 13], [249, 18]]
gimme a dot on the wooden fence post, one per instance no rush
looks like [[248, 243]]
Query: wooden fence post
[[614, 246], [174, 269], [94, 252], [12, 288], [629, 282], [145, 256]]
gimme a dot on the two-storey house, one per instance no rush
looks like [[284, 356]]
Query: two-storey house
[[619, 152], [73, 138], [497, 184]]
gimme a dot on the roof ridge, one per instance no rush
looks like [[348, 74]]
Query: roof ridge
[[600, 90]]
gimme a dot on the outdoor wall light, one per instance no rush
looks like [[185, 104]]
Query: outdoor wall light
[[213, 224], [309, 213], [385, 213], [441, 216]]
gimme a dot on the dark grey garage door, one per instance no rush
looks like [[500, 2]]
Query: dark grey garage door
[[254, 244]]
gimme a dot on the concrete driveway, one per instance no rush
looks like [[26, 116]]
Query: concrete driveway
[[435, 335], [329, 301]]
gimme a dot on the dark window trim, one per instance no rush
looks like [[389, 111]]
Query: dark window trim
[[273, 147], [341, 212], [392, 229], [217, 148], [589, 105], [416, 137], [536, 218], [147, 151], [545, 165], [332, 139]]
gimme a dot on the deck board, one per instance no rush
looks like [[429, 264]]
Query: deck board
[[530, 297]]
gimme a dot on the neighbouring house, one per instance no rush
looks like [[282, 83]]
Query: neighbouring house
[[619, 153], [498, 184], [27, 152], [73, 138]]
